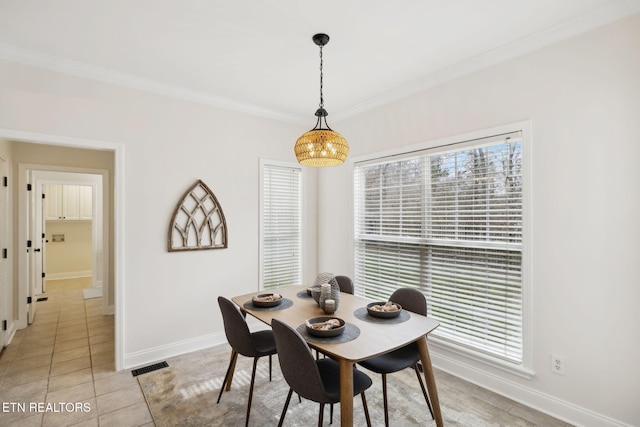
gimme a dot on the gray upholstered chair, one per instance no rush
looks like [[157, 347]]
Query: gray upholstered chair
[[346, 284], [316, 380], [244, 342], [404, 357]]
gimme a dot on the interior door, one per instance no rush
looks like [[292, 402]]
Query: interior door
[[39, 239], [4, 248], [32, 254]]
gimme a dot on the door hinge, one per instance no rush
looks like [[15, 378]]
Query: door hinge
[[43, 235], [28, 243], [4, 325], [5, 253], [5, 181], [43, 196], [28, 187], [43, 274], [28, 300]]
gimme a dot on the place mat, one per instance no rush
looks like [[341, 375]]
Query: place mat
[[351, 332], [286, 303], [304, 295], [363, 314]]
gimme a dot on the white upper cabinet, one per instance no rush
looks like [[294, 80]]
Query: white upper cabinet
[[67, 202], [85, 203]]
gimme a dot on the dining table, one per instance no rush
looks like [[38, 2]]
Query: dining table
[[364, 337]]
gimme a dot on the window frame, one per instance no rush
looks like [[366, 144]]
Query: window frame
[[524, 369], [264, 164]]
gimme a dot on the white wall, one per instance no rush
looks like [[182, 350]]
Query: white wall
[[71, 257], [583, 98], [169, 299]]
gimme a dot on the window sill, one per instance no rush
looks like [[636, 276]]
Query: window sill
[[520, 370]]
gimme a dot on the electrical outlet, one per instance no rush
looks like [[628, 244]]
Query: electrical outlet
[[557, 364]]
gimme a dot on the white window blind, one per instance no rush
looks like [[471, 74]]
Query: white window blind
[[448, 222], [281, 226]]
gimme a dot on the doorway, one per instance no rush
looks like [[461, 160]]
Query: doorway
[[73, 241], [112, 218], [39, 178]]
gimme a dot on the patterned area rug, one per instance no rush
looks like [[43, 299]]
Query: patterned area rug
[[185, 393]]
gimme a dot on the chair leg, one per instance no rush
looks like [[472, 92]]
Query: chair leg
[[366, 409], [270, 364], [424, 390], [331, 414], [286, 405], [321, 415], [233, 370], [232, 362], [253, 380], [384, 397]]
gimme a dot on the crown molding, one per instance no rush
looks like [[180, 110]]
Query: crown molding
[[79, 69], [597, 17]]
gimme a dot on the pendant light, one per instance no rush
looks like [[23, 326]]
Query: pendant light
[[321, 146]]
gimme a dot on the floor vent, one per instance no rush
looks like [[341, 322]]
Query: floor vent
[[149, 368]]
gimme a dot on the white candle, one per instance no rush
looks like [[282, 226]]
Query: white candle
[[329, 306]]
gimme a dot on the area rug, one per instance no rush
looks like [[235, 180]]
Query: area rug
[[185, 393]]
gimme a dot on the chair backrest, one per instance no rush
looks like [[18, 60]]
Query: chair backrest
[[297, 363], [346, 284], [410, 299], [235, 328]]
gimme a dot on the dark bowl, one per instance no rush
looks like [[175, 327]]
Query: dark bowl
[[383, 314], [328, 333], [265, 304]]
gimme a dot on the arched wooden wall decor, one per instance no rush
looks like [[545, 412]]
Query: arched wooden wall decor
[[198, 221]]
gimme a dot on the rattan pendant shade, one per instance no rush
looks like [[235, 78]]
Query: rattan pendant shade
[[321, 146]]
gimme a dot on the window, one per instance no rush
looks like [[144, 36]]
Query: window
[[448, 221], [280, 225]]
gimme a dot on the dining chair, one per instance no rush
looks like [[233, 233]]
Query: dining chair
[[244, 342], [316, 380], [346, 284], [404, 357]]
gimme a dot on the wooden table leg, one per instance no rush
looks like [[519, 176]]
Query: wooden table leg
[[232, 369], [346, 393], [430, 379]]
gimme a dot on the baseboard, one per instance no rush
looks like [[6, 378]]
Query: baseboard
[[551, 405], [156, 354], [69, 275]]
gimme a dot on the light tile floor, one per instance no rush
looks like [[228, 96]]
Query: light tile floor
[[67, 357]]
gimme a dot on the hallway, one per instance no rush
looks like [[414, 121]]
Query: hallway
[[60, 370]]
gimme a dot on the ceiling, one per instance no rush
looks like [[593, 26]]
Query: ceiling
[[257, 56]]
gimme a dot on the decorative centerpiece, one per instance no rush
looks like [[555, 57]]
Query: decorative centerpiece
[[329, 290]]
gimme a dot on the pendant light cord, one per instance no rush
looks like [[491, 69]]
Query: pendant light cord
[[321, 96]]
